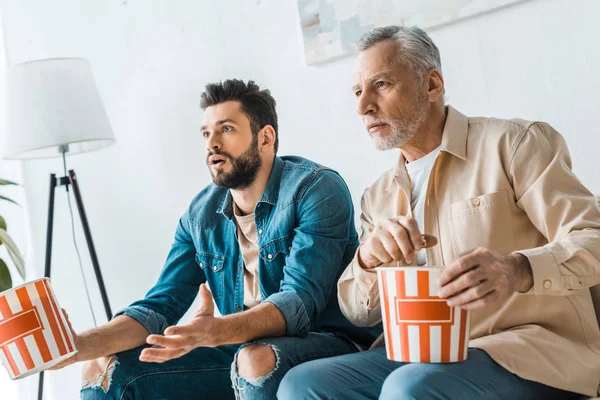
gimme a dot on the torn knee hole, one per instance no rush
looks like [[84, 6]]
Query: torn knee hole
[[98, 373], [257, 361]]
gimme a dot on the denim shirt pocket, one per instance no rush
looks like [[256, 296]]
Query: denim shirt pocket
[[273, 255], [212, 266]]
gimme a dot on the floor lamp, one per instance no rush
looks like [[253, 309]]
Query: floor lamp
[[53, 109]]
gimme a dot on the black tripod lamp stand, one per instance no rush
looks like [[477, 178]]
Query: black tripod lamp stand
[[53, 109]]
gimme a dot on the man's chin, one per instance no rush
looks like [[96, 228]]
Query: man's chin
[[382, 144]]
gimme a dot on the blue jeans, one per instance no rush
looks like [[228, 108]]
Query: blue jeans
[[211, 373], [370, 375]]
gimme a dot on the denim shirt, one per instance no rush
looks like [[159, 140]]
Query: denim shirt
[[306, 238]]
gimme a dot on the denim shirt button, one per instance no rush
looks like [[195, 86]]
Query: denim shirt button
[[237, 307], [270, 256], [239, 267], [201, 265], [215, 268], [260, 231]]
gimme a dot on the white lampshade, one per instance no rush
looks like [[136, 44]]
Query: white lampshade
[[50, 104]]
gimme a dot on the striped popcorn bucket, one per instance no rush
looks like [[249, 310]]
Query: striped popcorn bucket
[[34, 334], [418, 325]]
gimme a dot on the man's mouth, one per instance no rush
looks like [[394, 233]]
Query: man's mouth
[[375, 127], [216, 161]]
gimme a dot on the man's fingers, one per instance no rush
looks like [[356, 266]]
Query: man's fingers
[[67, 318], [468, 279], [206, 302], [412, 229], [489, 298], [169, 342], [377, 250], [458, 267], [160, 355], [471, 294], [393, 252], [403, 242]]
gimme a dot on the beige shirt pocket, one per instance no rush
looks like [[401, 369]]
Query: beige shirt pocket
[[483, 221]]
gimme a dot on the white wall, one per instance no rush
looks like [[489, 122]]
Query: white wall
[[16, 220], [151, 58]]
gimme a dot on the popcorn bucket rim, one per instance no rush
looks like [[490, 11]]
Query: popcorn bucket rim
[[23, 285], [434, 267]]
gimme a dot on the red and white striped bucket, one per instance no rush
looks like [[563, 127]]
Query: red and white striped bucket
[[34, 334], [418, 325]]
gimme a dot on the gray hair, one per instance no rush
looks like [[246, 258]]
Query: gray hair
[[418, 51]]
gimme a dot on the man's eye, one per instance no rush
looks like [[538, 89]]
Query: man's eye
[[226, 128], [358, 93], [205, 134], [380, 84]]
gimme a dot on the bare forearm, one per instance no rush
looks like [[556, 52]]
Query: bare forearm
[[120, 334], [264, 320]]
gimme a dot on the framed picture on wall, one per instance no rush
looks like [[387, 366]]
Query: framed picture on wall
[[331, 28]]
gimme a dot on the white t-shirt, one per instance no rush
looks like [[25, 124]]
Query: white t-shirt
[[419, 171]]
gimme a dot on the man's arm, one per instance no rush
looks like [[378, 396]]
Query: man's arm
[[120, 334], [560, 207], [325, 229], [358, 293], [206, 330]]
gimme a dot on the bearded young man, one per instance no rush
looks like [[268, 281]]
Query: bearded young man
[[519, 239], [270, 237]]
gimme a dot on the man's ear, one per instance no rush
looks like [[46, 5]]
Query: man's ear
[[435, 85], [266, 137]]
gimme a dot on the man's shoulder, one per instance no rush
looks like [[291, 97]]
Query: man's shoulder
[[297, 163], [298, 170], [381, 184], [489, 128], [207, 202], [506, 135]]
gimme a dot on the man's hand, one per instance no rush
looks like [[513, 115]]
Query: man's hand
[[202, 331], [480, 277], [78, 345], [395, 239]]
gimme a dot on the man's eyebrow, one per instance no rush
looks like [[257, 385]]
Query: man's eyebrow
[[221, 122], [373, 78]]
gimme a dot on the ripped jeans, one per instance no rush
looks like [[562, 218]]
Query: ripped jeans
[[210, 373]]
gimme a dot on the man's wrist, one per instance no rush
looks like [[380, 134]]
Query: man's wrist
[[525, 273], [222, 327]]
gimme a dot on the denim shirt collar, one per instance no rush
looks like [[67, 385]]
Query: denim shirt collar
[[270, 195]]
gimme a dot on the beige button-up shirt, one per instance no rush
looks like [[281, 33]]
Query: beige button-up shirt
[[505, 185]]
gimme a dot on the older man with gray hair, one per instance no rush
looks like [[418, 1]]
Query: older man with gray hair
[[518, 234]]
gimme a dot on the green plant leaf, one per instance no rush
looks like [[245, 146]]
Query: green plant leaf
[[13, 252], [5, 280], [4, 182], [2, 226], [9, 200]]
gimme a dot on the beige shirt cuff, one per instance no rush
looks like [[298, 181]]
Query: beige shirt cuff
[[547, 279]]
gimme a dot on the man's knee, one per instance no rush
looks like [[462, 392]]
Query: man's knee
[[311, 380], [97, 374], [256, 361], [414, 381]]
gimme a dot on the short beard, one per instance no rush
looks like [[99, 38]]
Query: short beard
[[401, 131], [243, 168]]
